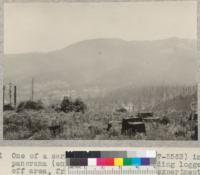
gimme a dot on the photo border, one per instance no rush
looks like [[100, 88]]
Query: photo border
[[93, 143]]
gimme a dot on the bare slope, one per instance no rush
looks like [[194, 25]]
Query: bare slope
[[108, 63]]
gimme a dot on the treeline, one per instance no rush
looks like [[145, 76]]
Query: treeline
[[66, 105], [149, 97]]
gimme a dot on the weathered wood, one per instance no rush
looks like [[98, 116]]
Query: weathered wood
[[114, 124], [145, 114], [132, 126], [193, 116], [56, 130], [152, 119], [56, 127]]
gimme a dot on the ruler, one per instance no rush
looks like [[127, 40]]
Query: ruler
[[110, 171], [110, 163]]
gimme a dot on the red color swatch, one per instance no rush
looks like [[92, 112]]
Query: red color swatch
[[105, 162]]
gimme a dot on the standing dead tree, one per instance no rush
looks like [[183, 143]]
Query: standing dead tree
[[32, 89], [10, 93], [4, 89], [15, 96]]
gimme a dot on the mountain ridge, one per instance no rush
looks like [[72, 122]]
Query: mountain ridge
[[108, 63], [101, 39]]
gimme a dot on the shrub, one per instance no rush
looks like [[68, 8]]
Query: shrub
[[123, 110], [79, 106], [56, 107], [7, 107], [67, 105], [165, 120], [30, 105]]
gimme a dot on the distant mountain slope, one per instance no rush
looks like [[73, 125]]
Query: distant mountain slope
[[179, 103], [108, 63], [155, 98]]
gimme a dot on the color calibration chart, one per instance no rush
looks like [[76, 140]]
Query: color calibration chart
[[110, 162]]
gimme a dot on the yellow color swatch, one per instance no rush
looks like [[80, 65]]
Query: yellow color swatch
[[118, 161]]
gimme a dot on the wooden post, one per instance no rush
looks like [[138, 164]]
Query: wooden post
[[4, 88], [10, 93], [15, 96]]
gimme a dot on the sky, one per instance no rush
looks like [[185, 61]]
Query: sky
[[44, 27]]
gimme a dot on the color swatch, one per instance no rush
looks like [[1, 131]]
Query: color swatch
[[111, 154], [110, 158]]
